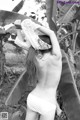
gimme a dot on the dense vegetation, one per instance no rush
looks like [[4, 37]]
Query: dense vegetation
[[68, 34]]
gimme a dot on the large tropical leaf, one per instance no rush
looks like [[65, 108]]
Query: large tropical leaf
[[77, 15], [23, 84], [51, 8], [15, 94], [69, 92], [69, 15], [7, 17], [19, 6], [64, 9]]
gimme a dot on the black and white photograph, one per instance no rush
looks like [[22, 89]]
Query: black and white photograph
[[39, 60]]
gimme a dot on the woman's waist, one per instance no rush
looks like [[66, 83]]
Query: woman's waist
[[45, 98], [46, 87], [45, 93]]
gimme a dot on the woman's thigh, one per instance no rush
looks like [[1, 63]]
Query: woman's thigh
[[48, 116], [31, 115]]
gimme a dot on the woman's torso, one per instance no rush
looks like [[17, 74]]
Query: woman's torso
[[49, 79]]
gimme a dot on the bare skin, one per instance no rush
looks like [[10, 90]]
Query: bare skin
[[50, 66]]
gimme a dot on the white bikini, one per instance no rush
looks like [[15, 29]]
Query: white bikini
[[40, 105]]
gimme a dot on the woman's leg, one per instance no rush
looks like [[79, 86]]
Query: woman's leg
[[48, 116], [31, 115]]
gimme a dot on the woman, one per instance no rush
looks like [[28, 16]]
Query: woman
[[44, 65]]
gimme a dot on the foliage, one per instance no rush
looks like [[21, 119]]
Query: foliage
[[19, 6], [68, 31], [68, 34], [68, 27]]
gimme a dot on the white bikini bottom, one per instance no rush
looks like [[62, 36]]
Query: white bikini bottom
[[40, 105]]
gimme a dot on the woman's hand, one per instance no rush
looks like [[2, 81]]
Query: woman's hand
[[58, 109], [17, 22]]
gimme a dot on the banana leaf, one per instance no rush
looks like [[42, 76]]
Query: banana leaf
[[19, 6], [15, 94], [7, 17], [68, 90], [77, 15], [51, 9], [22, 86], [70, 15], [64, 9]]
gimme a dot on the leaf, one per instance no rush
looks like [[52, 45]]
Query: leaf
[[75, 25], [22, 85], [65, 8], [77, 15], [69, 15], [7, 17], [51, 13], [15, 94], [68, 90], [19, 6]]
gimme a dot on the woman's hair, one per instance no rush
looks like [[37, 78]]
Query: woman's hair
[[32, 68]]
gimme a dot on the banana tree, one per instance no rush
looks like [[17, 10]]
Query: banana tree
[[67, 86]]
